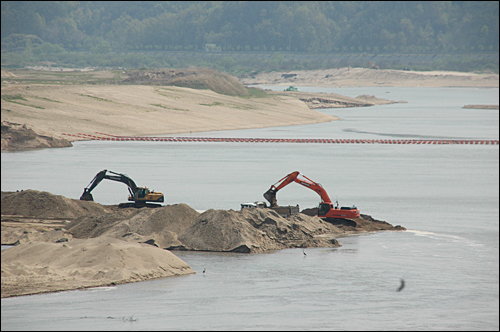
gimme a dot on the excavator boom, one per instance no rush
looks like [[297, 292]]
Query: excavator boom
[[326, 209], [270, 195], [140, 195]]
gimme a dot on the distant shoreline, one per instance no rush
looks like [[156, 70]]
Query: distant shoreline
[[363, 77], [57, 108], [482, 107]]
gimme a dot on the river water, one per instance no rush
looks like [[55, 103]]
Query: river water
[[445, 195]]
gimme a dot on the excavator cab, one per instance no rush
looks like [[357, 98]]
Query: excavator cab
[[141, 193]]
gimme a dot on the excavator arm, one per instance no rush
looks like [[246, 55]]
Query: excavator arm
[[270, 195], [326, 208], [87, 196]]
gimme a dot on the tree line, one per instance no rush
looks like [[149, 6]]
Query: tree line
[[231, 35], [254, 26]]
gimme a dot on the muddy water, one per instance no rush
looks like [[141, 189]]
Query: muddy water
[[445, 195]]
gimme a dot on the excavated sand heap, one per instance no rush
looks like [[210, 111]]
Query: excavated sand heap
[[42, 204], [252, 231], [64, 243], [173, 227], [158, 226], [40, 267], [32, 215]]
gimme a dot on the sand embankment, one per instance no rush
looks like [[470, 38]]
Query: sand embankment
[[482, 107], [142, 110], [142, 106], [364, 77], [17, 137], [64, 244]]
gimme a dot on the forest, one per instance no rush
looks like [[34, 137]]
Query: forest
[[151, 33]]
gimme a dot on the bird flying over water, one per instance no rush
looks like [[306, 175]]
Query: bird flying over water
[[402, 285], [304, 252], [203, 270]]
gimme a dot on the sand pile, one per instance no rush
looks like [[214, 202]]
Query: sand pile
[[18, 235], [172, 226], [67, 244], [253, 230], [258, 230], [40, 267], [195, 78], [33, 215], [158, 226], [179, 227], [42, 204]]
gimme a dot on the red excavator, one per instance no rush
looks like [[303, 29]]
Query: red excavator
[[326, 209]]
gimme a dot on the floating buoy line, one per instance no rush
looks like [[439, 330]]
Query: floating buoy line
[[107, 137]]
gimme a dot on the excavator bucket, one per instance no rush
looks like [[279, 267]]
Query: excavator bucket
[[270, 196], [86, 196]]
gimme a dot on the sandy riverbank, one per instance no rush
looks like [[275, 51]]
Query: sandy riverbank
[[363, 77], [141, 110], [148, 110], [52, 257]]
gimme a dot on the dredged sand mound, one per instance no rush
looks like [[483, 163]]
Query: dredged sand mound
[[254, 230], [159, 226], [42, 204], [40, 267], [172, 226], [179, 227], [65, 243]]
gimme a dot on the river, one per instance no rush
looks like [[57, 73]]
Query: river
[[445, 195]]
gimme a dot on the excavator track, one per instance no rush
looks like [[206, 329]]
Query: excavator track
[[139, 205], [341, 221]]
